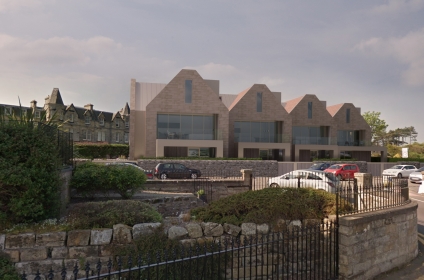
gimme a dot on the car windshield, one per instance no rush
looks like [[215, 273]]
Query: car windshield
[[335, 167], [419, 170], [396, 167], [316, 165]]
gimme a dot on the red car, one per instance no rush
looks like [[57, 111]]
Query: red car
[[343, 171]]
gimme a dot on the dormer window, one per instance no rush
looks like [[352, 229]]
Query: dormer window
[[127, 123], [61, 115], [71, 118], [116, 123], [87, 119], [102, 121], [37, 114]]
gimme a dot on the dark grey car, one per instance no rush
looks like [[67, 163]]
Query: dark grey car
[[176, 171]]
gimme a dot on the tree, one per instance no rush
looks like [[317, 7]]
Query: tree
[[378, 127]]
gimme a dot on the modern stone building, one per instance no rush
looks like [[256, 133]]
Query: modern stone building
[[85, 123], [189, 117]]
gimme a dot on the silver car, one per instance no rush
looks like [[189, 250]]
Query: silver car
[[306, 179], [416, 176]]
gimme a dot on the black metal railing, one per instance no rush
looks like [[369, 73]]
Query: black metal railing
[[298, 252], [380, 193], [64, 142]]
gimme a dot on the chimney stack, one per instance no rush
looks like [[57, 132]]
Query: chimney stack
[[89, 107]]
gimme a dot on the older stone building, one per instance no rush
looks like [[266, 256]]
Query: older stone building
[[85, 123]]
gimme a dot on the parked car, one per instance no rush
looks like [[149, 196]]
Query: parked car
[[416, 176], [343, 171], [320, 166], [306, 179], [400, 171], [175, 170], [149, 173]]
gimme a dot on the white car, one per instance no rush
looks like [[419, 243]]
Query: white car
[[416, 176], [400, 171], [306, 179]]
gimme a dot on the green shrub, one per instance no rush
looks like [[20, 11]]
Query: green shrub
[[94, 150], [91, 178], [29, 175], [268, 206], [105, 214], [7, 270], [125, 180]]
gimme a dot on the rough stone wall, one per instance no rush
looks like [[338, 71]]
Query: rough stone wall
[[376, 242], [266, 168]]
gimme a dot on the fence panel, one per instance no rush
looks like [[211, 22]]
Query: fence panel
[[298, 252]]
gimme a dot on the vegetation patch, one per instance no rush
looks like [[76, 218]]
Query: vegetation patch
[[7, 269], [270, 205], [91, 178], [94, 150], [105, 214]]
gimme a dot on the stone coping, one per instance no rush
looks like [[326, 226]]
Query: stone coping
[[368, 217]]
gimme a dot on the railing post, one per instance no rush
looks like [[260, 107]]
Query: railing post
[[404, 191]]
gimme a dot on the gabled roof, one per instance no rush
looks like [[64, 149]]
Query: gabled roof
[[291, 104], [55, 97], [334, 109], [227, 99], [126, 110], [238, 98]]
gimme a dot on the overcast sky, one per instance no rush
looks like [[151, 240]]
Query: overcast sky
[[365, 52]]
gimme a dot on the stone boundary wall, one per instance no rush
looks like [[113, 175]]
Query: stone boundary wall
[[268, 168], [33, 252], [376, 242]]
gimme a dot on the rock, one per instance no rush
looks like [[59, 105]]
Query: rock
[[122, 234], [194, 230], [212, 229], [24, 240], [145, 228], [101, 236], [177, 233], [232, 229], [262, 229], [52, 239], [79, 237], [248, 228]]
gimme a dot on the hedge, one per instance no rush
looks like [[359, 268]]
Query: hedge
[[92, 150]]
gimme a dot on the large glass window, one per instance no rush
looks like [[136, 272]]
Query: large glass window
[[193, 127], [310, 135], [263, 132], [348, 138], [188, 90], [347, 115]]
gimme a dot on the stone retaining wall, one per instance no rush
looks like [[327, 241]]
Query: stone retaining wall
[[267, 168], [376, 242]]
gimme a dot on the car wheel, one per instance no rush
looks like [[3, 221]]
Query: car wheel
[[274, 185], [399, 175], [163, 176], [193, 176]]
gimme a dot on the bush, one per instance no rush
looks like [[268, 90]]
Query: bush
[[94, 150], [29, 175], [90, 178], [105, 214], [7, 270], [268, 206]]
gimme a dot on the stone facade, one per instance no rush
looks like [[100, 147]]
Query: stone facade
[[85, 123]]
